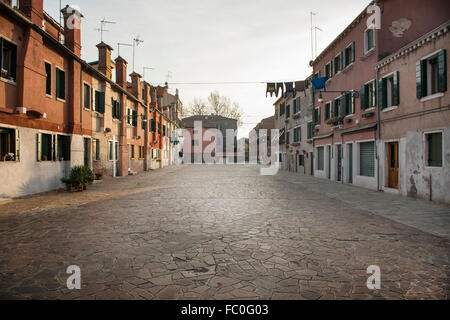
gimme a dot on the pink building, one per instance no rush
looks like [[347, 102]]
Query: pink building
[[346, 136]]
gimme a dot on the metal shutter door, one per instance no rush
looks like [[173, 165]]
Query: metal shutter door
[[367, 159]]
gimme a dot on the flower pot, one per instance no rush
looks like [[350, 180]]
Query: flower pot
[[79, 188], [85, 186], [69, 187]]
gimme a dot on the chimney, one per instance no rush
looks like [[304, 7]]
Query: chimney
[[72, 29], [33, 9], [104, 59], [136, 84], [121, 72]]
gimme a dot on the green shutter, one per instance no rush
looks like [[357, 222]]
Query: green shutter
[[396, 89], [17, 155], [382, 87], [101, 106], [58, 83], [13, 61], [353, 51], [113, 107], [367, 159], [134, 115], [363, 97], [442, 71]]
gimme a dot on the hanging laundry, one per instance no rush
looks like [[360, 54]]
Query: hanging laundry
[[289, 87], [271, 89], [280, 86]]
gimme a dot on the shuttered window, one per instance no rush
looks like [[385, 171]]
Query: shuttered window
[[9, 144], [8, 60], [46, 147], [48, 79], [434, 149], [369, 40], [153, 125], [301, 160], [134, 117], [63, 148], [115, 109], [327, 111], [367, 159], [87, 96], [431, 75], [349, 104], [60, 84], [99, 102], [389, 91], [320, 158]]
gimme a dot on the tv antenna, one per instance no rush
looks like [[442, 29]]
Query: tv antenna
[[143, 71], [315, 36], [122, 44], [136, 43], [312, 36], [103, 23], [169, 76]]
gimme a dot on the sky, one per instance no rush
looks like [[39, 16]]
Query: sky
[[212, 41]]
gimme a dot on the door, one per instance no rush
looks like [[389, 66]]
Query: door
[[116, 157], [350, 163], [393, 164], [87, 150], [311, 156], [339, 162]]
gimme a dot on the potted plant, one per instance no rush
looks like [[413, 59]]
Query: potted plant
[[77, 177], [88, 175], [9, 157], [68, 184]]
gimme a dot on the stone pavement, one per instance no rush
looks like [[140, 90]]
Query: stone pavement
[[222, 232]]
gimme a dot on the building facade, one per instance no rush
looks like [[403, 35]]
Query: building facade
[[347, 143], [263, 141], [58, 111]]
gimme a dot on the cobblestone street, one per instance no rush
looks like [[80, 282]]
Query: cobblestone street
[[223, 232]]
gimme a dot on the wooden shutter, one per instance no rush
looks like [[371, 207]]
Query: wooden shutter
[[38, 146], [134, 114], [58, 83], [363, 97], [367, 159], [396, 89], [382, 98], [62, 79], [353, 52], [13, 49], [101, 102], [442, 71], [17, 156]]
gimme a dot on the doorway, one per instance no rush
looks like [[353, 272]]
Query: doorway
[[393, 165], [87, 151], [329, 162], [339, 162], [350, 163]]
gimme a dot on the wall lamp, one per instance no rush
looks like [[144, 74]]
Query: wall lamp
[[355, 94]]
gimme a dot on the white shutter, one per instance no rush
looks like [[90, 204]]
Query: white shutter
[[17, 156]]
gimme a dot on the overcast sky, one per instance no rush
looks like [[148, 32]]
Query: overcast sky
[[216, 41]]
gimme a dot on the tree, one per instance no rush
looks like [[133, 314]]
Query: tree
[[218, 105]]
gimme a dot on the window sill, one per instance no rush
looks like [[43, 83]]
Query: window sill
[[431, 97], [86, 109], [48, 96], [368, 53], [389, 109], [368, 109], [61, 100], [348, 68], [12, 82], [434, 168]]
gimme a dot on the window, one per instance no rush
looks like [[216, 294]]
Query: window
[[96, 148], [15, 4], [63, 148], [8, 60], [337, 64], [298, 134], [320, 158], [110, 151], [141, 152], [46, 147], [132, 151], [60, 84], [48, 80], [159, 129], [327, 111], [288, 137], [349, 103], [367, 159], [288, 111], [349, 55], [337, 104], [369, 40], [9, 144], [310, 130], [134, 116], [368, 94], [389, 91], [317, 116], [153, 125], [297, 105], [164, 130], [431, 74], [144, 124], [99, 101], [115, 109], [301, 160], [195, 143], [328, 70], [434, 149], [87, 96], [282, 109]]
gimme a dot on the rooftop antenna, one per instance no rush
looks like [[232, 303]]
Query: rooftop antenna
[[143, 71], [315, 30], [312, 35], [169, 76], [136, 42], [122, 44], [101, 29]]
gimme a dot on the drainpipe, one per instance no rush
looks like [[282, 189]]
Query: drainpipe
[[378, 136]]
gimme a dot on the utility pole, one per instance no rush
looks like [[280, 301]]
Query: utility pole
[[136, 42]]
